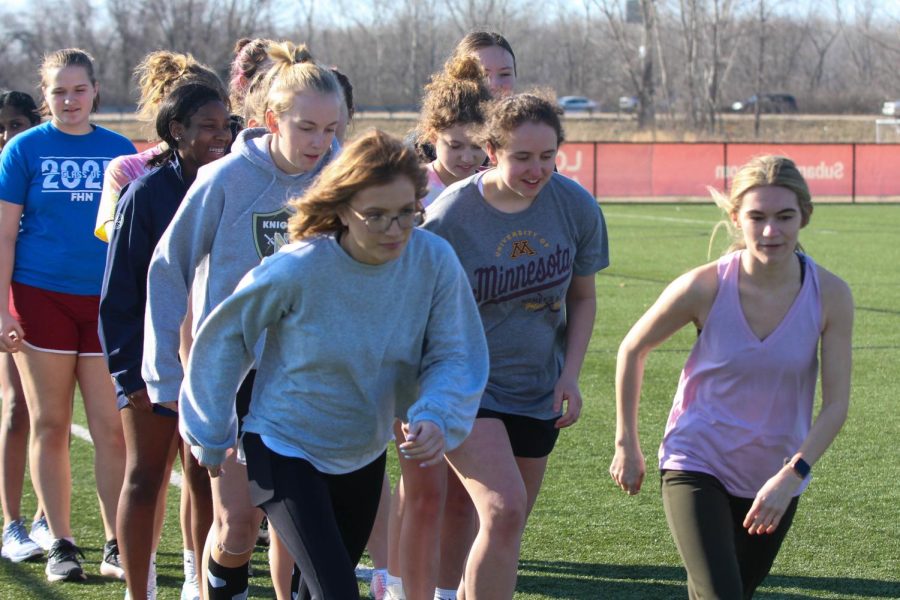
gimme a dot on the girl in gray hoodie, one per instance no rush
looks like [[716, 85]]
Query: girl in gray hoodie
[[233, 216]]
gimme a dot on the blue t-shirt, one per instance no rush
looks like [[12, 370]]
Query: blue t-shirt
[[57, 178]]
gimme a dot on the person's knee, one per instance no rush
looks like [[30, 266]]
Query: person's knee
[[110, 444], [424, 502], [51, 429], [15, 412], [238, 528], [503, 512], [143, 484], [459, 505]]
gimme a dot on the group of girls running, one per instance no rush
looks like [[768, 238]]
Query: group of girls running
[[287, 307]]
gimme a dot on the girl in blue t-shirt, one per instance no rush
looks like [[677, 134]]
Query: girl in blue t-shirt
[[51, 269]]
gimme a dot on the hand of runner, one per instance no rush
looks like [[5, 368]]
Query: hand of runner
[[424, 443]]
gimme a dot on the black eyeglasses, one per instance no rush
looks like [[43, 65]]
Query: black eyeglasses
[[380, 223]]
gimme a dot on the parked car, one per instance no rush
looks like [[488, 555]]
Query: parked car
[[768, 103], [578, 104], [628, 103], [891, 108]]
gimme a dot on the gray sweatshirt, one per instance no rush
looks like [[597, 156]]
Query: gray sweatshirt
[[231, 218], [349, 346]]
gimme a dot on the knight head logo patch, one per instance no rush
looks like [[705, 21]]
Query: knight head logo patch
[[270, 231]]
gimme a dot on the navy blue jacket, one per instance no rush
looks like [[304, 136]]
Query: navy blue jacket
[[143, 213]]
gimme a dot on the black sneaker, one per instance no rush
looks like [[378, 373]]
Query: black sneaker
[[63, 563], [110, 566]]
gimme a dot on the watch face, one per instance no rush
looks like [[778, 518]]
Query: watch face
[[802, 467]]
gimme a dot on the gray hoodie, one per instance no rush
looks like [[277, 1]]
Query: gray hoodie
[[232, 217], [349, 346]]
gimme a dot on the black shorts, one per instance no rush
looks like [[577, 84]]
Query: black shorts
[[529, 437], [242, 401]]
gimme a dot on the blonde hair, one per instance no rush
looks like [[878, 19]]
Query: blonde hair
[[67, 57], [457, 95], [761, 171], [162, 71], [294, 70], [375, 158]]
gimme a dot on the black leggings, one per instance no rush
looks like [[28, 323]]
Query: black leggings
[[324, 520], [721, 558]]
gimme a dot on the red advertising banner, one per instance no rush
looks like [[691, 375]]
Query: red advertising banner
[[827, 168], [658, 170], [624, 170], [576, 161], [877, 172], [677, 172]]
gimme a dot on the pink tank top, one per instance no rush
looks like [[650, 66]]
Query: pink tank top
[[435, 185], [744, 404]]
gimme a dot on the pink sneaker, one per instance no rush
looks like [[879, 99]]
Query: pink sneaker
[[378, 585]]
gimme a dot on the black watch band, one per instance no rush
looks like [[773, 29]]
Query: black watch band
[[800, 467]]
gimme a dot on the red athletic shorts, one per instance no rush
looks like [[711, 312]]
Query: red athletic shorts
[[56, 322]]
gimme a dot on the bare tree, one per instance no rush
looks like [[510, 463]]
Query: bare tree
[[636, 52]]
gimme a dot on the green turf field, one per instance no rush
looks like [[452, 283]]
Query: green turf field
[[586, 539]]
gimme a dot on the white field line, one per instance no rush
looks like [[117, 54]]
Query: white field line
[[83, 433], [363, 570], [610, 213]]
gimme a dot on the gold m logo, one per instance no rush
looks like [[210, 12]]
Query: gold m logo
[[520, 248]]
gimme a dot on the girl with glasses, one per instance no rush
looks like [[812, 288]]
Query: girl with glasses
[[366, 318]]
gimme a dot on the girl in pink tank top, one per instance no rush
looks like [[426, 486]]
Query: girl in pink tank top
[[740, 442]]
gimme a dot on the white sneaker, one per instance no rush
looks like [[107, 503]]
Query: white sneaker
[[40, 533], [151, 579], [190, 590], [394, 592], [17, 545]]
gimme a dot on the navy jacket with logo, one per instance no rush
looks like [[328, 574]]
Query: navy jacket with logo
[[143, 213]]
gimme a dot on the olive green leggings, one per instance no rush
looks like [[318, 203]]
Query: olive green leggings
[[721, 558]]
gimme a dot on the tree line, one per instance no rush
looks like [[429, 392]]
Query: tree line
[[690, 58]]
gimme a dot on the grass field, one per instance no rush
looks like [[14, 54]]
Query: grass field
[[588, 540]]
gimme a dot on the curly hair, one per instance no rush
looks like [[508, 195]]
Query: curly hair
[[162, 71], [457, 95], [506, 114]]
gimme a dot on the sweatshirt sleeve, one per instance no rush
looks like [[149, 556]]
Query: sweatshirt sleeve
[[187, 240], [221, 356], [123, 297], [454, 367]]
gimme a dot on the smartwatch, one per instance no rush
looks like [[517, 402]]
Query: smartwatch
[[800, 467]]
